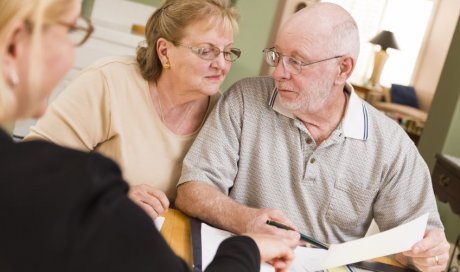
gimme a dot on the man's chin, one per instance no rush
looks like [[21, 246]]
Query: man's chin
[[289, 103]]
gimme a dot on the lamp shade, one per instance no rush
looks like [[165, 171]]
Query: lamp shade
[[385, 39]]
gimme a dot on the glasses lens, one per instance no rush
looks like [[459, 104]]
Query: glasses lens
[[80, 32], [207, 53], [271, 57], [294, 66], [232, 55]]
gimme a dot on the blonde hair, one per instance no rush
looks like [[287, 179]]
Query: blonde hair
[[169, 22], [35, 14]]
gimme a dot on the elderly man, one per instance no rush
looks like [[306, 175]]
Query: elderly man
[[301, 148]]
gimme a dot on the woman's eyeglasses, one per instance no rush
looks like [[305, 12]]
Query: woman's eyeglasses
[[212, 52], [80, 31]]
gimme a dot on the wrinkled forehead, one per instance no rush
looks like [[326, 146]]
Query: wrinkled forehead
[[303, 33]]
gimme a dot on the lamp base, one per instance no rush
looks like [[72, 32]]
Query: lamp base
[[380, 58]]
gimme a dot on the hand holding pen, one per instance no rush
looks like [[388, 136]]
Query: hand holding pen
[[303, 237], [255, 222]]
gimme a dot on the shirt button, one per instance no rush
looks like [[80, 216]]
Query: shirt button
[[309, 140], [312, 160]]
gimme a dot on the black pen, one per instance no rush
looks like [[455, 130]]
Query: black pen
[[302, 236]]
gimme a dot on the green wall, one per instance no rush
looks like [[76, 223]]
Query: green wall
[[255, 27], [155, 3], [442, 129]]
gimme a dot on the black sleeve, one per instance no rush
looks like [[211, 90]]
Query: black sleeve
[[238, 253], [117, 234], [63, 210]]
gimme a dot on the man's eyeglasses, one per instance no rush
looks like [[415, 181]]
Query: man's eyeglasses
[[211, 53], [80, 31], [293, 65]]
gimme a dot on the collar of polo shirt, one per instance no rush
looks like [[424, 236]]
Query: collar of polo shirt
[[355, 123]]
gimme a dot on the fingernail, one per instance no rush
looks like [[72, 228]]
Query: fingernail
[[416, 250]]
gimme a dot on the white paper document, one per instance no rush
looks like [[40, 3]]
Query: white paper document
[[385, 243], [159, 222]]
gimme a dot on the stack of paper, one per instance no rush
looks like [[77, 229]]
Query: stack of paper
[[392, 241]]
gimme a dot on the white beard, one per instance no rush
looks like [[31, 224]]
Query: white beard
[[310, 99]]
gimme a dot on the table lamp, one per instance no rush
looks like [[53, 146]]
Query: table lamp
[[386, 40]]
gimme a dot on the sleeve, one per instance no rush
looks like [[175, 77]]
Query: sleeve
[[112, 233], [238, 253], [406, 191], [213, 157], [119, 236], [80, 117]]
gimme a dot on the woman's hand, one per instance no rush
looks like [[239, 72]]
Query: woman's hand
[[153, 201], [275, 250]]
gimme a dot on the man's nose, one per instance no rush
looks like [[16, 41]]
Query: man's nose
[[281, 71]]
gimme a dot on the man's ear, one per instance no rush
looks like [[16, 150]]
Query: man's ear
[[346, 66]]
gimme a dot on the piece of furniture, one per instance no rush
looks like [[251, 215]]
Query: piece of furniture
[[176, 232], [446, 185], [446, 180]]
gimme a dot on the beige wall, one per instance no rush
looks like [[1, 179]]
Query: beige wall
[[434, 51]]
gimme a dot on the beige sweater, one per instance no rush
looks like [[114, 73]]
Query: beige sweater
[[108, 109]]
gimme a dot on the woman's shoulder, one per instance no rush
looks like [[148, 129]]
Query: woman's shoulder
[[43, 160], [113, 61], [116, 68]]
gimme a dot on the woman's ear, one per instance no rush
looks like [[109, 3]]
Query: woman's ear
[[13, 50], [162, 50]]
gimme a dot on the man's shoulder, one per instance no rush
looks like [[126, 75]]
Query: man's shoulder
[[251, 88], [260, 83], [387, 132]]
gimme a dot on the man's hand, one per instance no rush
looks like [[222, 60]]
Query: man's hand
[[430, 254], [153, 201], [277, 251], [257, 223]]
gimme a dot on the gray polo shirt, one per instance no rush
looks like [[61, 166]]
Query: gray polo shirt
[[254, 150]]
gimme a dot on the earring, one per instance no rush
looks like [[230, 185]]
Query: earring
[[13, 78], [167, 65]]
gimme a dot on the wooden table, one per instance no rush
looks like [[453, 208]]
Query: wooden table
[[176, 232]]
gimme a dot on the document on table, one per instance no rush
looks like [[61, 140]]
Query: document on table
[[159, 222], [385, 243]]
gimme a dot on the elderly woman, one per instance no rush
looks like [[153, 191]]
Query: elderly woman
[[145, 113], [66, 210]]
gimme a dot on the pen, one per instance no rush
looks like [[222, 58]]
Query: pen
[[302, 236]]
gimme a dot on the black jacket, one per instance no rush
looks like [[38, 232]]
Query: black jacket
[[65, 210]]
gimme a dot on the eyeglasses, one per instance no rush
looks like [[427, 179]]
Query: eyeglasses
[[293, 65], [211, 53], [80, 31]]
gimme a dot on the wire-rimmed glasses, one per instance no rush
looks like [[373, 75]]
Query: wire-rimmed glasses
[[212, 52], [294, 66]]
